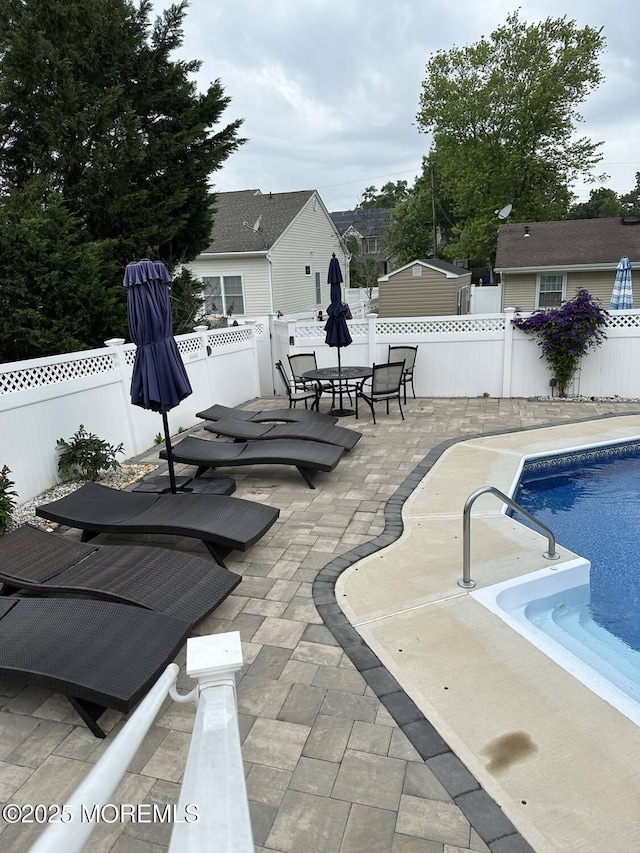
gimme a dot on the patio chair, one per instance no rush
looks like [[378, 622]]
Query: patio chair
[[99, 654], [221, 523], [301, 362], [181, 585], [308, 457], [383, 385], [398, 353], [295, 396], [223, 413], [308, 431]]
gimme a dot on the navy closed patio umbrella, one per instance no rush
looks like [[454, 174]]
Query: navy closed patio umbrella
[[159, 380], [337, 331]]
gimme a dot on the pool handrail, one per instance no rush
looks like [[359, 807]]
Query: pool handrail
[[465, 581]]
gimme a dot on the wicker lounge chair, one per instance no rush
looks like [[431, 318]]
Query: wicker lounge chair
[[307, 456], [222, 523], [223, 413], [172, 582], [99, 654], [307, 431]]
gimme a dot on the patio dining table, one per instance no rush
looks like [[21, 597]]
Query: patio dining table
[[339, 378]]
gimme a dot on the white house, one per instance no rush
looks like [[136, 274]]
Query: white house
[[268, 253]]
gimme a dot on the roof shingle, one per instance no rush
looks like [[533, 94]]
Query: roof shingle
[[570, 242], [236, 215]]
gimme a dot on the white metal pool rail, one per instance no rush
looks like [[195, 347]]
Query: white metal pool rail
[[212, 813]]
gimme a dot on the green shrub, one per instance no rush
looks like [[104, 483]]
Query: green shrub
[[85, 455], [7, 499]]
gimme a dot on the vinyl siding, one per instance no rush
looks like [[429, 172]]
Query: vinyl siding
[[255, 279], [431, 294], [308, 241], [519, 289]]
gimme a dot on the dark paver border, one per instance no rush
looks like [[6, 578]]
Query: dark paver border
[[483, 813]]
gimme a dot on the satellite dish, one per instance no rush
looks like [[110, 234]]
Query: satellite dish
[[502, 214], [256, 225]]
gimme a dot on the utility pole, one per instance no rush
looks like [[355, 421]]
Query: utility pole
[[433, 214]]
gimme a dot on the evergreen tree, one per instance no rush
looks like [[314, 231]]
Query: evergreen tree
[[94, 107]]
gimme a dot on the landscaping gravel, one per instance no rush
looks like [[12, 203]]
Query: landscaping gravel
[[120, 478]]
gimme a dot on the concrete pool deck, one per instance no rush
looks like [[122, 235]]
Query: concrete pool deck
[[560, 761], [338, 758]]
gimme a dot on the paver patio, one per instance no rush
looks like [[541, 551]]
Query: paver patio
[[328, 768]]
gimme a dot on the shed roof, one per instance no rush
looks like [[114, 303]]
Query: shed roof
[[450, 270], [250, 221], [571, 242]]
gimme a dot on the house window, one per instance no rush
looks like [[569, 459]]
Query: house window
[[416, 271], [318, 289], [550, 291], [371, 245], [223, 294], [307, 270]]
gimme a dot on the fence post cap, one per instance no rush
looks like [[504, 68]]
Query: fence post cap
[[214, 656]]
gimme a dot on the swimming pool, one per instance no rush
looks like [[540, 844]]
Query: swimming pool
[[584, 614]]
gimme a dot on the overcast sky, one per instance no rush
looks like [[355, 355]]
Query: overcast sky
[[329, 89]]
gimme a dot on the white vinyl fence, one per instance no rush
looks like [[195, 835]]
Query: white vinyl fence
[[45, 399], [458, 356], [476, 354]]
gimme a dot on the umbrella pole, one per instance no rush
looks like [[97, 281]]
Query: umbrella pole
[[167, 441], [340, 379]]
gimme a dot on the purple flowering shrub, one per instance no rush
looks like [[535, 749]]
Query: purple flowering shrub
[[566, 333]]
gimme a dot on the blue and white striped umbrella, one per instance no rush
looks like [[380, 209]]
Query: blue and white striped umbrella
[[622, 296]]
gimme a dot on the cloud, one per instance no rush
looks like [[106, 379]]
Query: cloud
[[329, 90]]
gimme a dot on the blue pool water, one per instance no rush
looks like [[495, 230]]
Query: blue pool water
[[591, 502]]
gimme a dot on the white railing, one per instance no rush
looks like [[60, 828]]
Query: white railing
[[212, 813]]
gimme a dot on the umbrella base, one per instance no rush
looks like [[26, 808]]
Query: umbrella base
[[210, 486], [341, 413], [160, 484], [187, 485]]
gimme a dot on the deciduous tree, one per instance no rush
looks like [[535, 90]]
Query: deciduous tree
[[503, 114], [390, 194]]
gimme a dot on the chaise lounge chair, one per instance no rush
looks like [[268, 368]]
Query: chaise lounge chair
[[172, 582], [307, 431], [99, 654], [219, 413], [308, 457], [221, 523]]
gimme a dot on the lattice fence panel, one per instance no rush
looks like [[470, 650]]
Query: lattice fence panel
[[357, 330], [186, 346], [441, 325], [623, 321], [51, 374], [235, 335]]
